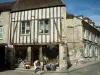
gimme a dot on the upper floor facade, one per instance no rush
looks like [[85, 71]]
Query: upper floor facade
[[80, 29], [32, 22], [90, 31], [41, 23], [5, 9]]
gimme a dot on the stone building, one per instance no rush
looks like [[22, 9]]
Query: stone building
[[83, 39], [98, 27], [5, 9]]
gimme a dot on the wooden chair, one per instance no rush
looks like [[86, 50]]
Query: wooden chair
[[27, 65]]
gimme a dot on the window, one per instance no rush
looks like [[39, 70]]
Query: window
[[1, 32], [44, 26], [85, 50], [91, 51], [96, 37], [87, 35], [25, 27], [96, 51], [93, 37], [90, 36]]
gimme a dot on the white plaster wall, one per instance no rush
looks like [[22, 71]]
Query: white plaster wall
[[4, 18]]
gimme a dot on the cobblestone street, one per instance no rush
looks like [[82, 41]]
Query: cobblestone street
[[17, 72], [93, 69]]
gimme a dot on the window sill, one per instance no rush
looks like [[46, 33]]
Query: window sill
[[24, 34], [43, 33]]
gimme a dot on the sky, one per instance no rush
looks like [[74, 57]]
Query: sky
[[89, 8]]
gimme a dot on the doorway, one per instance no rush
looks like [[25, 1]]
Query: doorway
[[2, 57], [20, 55], [35, 54]]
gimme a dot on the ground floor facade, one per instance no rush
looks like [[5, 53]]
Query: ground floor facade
[[83, 51], [2, 56], [61, 54], [54, 53], [6, 54]]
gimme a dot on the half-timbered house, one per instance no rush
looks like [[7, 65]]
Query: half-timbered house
[[38, 30]]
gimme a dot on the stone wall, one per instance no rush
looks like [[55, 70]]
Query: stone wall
[[74, 40], [4, 18]]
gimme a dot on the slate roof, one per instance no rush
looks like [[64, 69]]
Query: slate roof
[[34, 4], [6, 6]]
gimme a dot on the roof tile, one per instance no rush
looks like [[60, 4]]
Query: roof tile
[[5, 6], [32, 4]]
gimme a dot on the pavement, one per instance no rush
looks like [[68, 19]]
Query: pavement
[[90, 68], [71, 69], [82, 65]]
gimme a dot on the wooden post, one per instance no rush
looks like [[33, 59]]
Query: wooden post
[[11, 55], [29, 54], [41, 57]]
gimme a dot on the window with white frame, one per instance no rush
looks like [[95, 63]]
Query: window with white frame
[[91, 51], [85, 50], [90, 36], [87, 34], [84, 33], [44, 25], [93, 37], [96, 51], [1, 32], [98, 39], [25, 27], [88, 49]]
